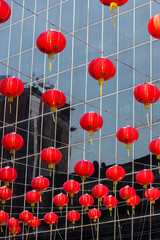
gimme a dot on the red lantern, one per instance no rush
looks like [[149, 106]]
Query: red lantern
[[40, 184], [91, 122], [53, 99], [101, 69], [115, 174], [145, 178], [34, 223], [84, 169], [127, 135], [32, 197], [50, 156], [11, 87], [15, 230], [134, 201], [147, 94], [3, 218], [110, 202], [61, 200], [5, 194], [73, 216], [152, 194], [114, 4], [154, 148], [51, 42], [100, 191], [50, 218], [25, 217], [127, 192], [154, 26], [86, 201], [12, 142], [94, 214], [5, 11], [71, 187], [7, 175], [12, 223]]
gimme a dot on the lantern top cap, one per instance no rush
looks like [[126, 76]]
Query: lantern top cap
[[7, 167], [109, 196], [52, 30]]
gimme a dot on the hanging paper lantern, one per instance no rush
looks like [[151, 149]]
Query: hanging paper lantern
[[40, 184], [7, 175], [71, 187], [152, 195], [113, 4], [144, 178], [101, 69], [154, 26], [147, 94], [15, 230], [84, 169], [110, 202], [3, 218], [32, 197], [154, 148], [51, 42], [115, 174], [73, 216], [127, 192], [86, 201], [61, 200], [100, 191], [50, 218], [134, 201], [12, 142], [5, 194], [91, 122], [11, 87], [25, 217], [50, 156], [12, 223], [127, 135], [53, 99], [5, 11], [34, 223], [94, 214]]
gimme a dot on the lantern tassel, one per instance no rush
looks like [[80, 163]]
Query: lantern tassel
[[113, 25], [133, 209], [128, 213], [113, 188], [41, 198], [26, 230], [1, 229], [110, 213], [50, 173], [73, 228], [50, 66], [53, 118], [50, 227], [3, 207], [10, 108], [159, 167], [91, 141], [32, 209], [101, 90], [147, 118], [128, 151], [100, 204], [72, 201], [11, 158], [152, 209]]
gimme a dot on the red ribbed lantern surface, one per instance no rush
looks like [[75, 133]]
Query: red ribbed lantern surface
[[51, 42], [5, 11], [133, 201], [127, 192], [101, 69], [7, 175], [61, 200], [12, 223], [91, 122], [5, 194], [15, 230], [100, 191], [12, 142], [86, 201], [115, 174], [32, 197], [127, 135], [25, 217], [50, 218], [50, 156], [3, 218], [94, 214], [11, 87], [40, 184], [73, 216], [152, 194], [110, 202], [154, 147], [84, 169], [154, 26], [71, 187], [34, 223], [54, 99], [144, 178]]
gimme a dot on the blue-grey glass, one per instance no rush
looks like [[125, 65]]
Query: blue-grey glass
[[76, 155], [25, 66], [15, 39], [95, 11], [109, 37], [14, 64], [40, 26], [141, 146], [27, 39], [108, 150], [4, 41], [29, 5], [96, 42], [81, 8], [53, 15], [54, 3], [65, 57], [67, 16], [41, 5], [155, 65]]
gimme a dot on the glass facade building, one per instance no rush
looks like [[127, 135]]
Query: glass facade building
[[87, 26]]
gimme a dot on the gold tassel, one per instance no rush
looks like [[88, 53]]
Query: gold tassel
[[147, 118], [152, 209], [101, 90], [50, 66], [41, 198], [113, 188], [159, 167], [53, 118], [133, 209], [110, 213], [32, 209], [128, 211], [128, 151], [12, 159], [73, 227], [10, 108], [1, 229], [3, 208], [71, 200], [113, 25], [91, 141]]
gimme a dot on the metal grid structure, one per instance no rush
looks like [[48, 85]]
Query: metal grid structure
[[89, 34]]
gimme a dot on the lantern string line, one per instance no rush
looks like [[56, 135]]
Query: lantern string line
[[72, 35], [156, 2]]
